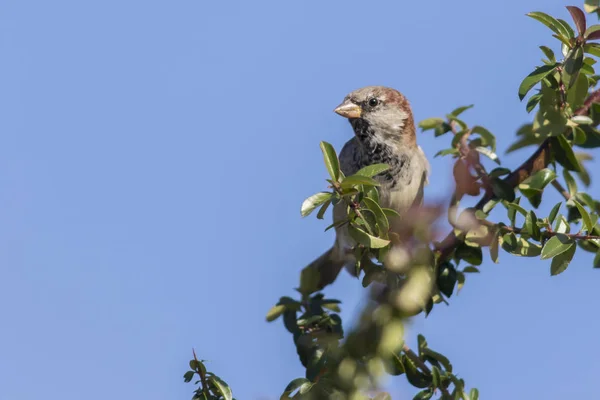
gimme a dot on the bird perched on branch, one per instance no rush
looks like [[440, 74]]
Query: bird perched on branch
[[384, 132]]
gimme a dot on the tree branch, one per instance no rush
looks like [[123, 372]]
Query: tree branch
[[536, 162], [561, 189]]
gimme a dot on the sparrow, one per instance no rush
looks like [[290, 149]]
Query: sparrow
[[384, 132]]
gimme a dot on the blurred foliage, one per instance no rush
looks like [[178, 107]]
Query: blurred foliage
[[411, 273]]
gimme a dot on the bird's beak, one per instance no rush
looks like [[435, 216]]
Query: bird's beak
[[348, 110]]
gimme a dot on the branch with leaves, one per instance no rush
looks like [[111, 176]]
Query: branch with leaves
[[419, 271], [210, 386]]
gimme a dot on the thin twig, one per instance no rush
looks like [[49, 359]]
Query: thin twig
[[561, 189], [202, 377], [547, 233]]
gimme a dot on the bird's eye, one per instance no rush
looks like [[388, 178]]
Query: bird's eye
[[373, 102]]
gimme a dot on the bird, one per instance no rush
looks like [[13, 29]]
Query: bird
[[384, 132]]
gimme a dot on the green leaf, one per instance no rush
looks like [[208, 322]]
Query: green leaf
[[442, 359], [413, 375], [597, 260], [309, 205], [394, 365], [430, 123], [474, 394], [456, 112], [554, 212], [582, 120], [367, 221], [525, 141], [566, 43], [592, 48], [471, 270], [354, 180], [498, 172], [572, 66], [470, 254], [527, 249], [331, 306], [424, 394], [516, 207], [562, 225], [577, 94], [548, 53], [494, 246], [563, 152], [556, 245], [316, 362], [442, 129], [539, 180], [380, 217], [275, 312], [188, 376], [198, 366], [373, 193], [589, 70], [565, 24], [502, 190], [579, 138], [533, 187], [590, 30], [533, 102], [587, 221], [561, 261], [586, 199], [462, 124], [509, 242], [488, 153], [446, 279], [323, 209], [550, 22], [365, 239], [533, 78], [390, 213], [460, 279], [591, 5], [293, 386], [436, 378], [519, 246], [571, 184], [331, 161], [222, 387], [372, 170], [445, 152], [531, 226]]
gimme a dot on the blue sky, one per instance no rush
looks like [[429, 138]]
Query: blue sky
[[154, 156]]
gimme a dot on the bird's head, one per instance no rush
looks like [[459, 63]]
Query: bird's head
[[379, 113]]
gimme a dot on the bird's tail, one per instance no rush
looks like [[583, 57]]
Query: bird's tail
[[328, 266]]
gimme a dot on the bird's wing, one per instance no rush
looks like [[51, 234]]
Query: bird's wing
[[427, 166]]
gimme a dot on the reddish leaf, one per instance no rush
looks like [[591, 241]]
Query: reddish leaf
[[465, 182], [578, 17], [594, 35]]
